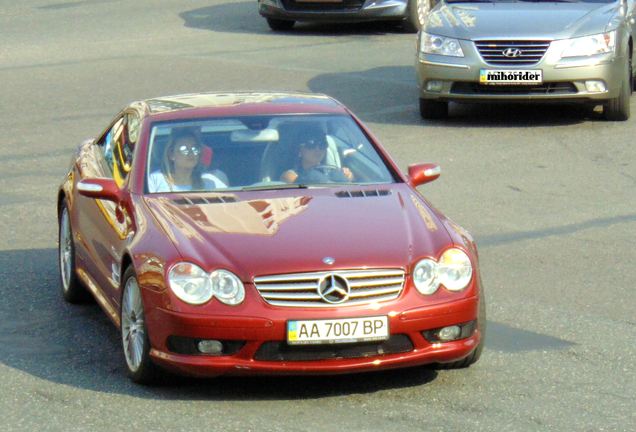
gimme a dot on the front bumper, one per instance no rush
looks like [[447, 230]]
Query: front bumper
[[271, 328], [564, 80], [345, 11]]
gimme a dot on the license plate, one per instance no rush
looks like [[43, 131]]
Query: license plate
[[508, 77], [330, 331]]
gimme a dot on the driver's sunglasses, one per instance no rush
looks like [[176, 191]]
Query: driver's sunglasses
[[314, 144], [185, 150]]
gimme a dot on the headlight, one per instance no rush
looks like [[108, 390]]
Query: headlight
[[453, 270], [227, 287], [193, 285], [424, 277], [601, 43], [190, 283], [432, 44]]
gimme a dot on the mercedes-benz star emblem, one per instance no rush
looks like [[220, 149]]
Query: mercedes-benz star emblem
[[334, 288], [511, 52], [328, 260]]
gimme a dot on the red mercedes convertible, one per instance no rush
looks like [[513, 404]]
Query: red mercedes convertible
[[264, 233]]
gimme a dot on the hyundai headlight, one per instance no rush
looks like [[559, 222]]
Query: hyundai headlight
[[227, 287], [432, 44], [190, 283], [453, 270], [586, 46]]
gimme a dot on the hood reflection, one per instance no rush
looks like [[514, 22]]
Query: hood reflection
[[258, 217]]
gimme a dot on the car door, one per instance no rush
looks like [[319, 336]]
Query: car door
[[104, 225]]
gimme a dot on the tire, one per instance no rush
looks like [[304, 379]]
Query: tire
[[134, 332], [280, 25], [476, 354], [72, 289], [433, 109], [618, 109], [417, 11]]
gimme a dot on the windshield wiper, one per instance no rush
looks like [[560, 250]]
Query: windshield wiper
[[480, 1]]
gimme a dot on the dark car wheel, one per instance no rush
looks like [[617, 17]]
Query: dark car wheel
[[618, 109], [280, 25], [134, 332], [417, 11], [474, 356], [433, 109], [72, 289]]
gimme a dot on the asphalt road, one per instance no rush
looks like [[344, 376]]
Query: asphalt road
[[548, 192]]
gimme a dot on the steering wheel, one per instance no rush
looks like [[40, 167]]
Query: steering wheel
[[324, 168]]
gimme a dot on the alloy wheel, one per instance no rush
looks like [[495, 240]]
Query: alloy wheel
[[133, 328], [66, 250]]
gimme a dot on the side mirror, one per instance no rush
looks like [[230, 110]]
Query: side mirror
[[420, 174], [100, 188]]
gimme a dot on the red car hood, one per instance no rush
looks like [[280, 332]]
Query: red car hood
[[295, 230]]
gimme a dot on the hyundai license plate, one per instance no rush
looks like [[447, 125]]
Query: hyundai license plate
[[510, 77], [346, 330]]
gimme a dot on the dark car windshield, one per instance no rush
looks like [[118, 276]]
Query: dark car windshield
[[261, 152]]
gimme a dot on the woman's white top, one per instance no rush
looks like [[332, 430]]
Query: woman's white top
[[157, 183]]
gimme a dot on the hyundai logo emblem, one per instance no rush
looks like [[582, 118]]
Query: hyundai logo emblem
[[511, 52], [333, 288]]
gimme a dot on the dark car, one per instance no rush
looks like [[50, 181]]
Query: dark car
[[264, 233], [282, 14]]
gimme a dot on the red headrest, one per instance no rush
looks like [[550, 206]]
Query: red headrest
[[206, 155]]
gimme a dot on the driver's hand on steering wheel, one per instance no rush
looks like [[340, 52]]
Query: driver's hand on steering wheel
[[348, 173]]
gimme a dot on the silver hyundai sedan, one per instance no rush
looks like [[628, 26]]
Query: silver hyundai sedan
[[576, 51]]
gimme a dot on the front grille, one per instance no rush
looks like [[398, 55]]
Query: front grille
[[471, 88], [492, 51], [280, 351], [301, 289], [345, 5]]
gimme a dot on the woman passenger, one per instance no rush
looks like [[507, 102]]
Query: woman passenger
[[182, 169]]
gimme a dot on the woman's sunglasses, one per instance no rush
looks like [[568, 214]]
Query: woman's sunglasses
[[185, 150]]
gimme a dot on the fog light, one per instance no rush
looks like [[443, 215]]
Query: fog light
[[211, 347], [595, 86], [449, 333], [434, 86]]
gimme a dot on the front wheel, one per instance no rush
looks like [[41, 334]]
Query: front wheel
[[134, 332], [433, 109], [618, 109], [279, 24], [72, 289]]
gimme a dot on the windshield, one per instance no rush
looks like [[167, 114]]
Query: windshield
[[261, 152]]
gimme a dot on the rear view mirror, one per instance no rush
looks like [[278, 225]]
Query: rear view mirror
[[420, 174], [249, 135]]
